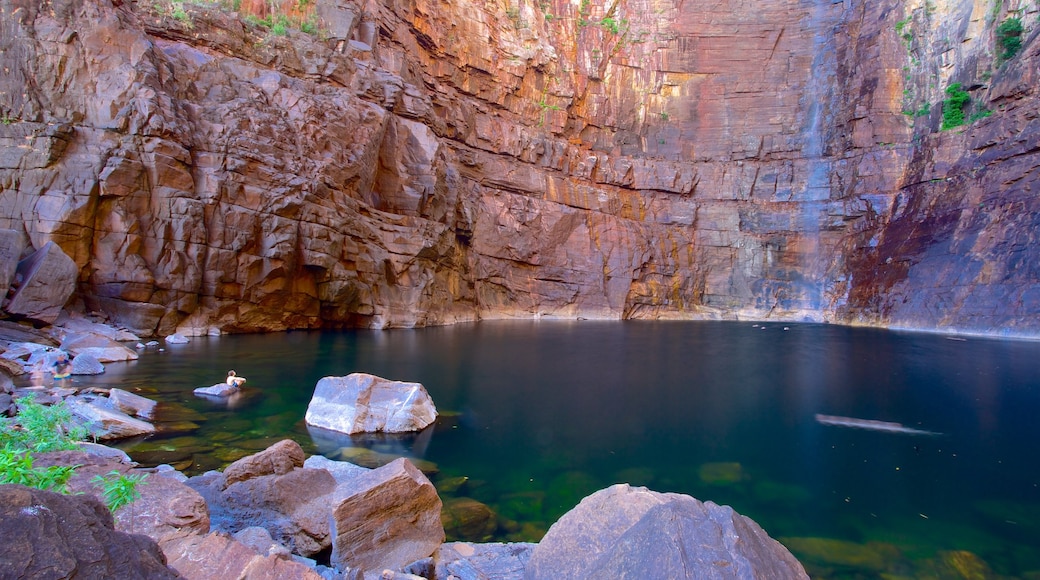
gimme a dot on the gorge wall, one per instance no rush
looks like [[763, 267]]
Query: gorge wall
[[411, 162]]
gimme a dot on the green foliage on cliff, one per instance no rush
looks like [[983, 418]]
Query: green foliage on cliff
[[953, 106], [1009, 38]]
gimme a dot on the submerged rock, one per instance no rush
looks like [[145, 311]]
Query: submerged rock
[[626, 532], [132, 404], [360, 403]]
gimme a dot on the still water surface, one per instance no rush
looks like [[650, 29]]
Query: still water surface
[[540, 414]]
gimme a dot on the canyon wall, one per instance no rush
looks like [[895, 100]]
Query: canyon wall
[[407, 162]]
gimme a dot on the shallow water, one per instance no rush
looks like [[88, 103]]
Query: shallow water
[[540, 414]]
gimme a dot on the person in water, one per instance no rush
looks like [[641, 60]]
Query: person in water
[[62, 367], [234, 380]]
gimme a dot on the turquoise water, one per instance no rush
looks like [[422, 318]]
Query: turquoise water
[[540, 414]]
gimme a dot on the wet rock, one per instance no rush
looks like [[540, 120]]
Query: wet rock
[[132, 404], [467, 518], [361, 403], [450, 484], [965, 565], [49, 535], [87, 364], [386, 518], [217, 555], [105, 422], [48, 277], [834, 552], [219, 391], [177, 339], [633, 532], [723, 473], [468, 561]]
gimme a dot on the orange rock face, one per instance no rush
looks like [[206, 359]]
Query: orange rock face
[[423, 163]]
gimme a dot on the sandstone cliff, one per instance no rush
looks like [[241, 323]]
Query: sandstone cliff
[[413, 163]]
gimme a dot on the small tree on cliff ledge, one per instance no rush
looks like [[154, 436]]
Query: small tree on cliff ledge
[[953, 106]]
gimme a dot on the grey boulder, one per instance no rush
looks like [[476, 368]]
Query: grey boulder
[[627, 532]]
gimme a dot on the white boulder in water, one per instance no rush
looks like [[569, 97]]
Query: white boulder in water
[[363, 403], [176, 339]]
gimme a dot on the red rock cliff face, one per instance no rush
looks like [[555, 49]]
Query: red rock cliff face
[[415, 163]]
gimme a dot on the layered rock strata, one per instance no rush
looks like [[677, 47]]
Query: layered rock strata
[[428, 163]]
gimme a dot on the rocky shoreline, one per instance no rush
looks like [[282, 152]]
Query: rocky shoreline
[[281, 514], [277, 514]]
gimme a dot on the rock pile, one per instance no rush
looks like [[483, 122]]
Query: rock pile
[[276, 515]]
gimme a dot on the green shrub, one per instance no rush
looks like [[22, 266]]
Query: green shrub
[[954, 105], [1009, 38], [118, 489], [39, 429], [43, 428], [16, 466]]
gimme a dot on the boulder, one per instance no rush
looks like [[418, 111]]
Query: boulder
[[293, 507], [166, 508], [467, 561], [71, 323], [49, 535], [176, 339], [105, 422], [10, 368], [342, 471], [465, 517], [104, 451], [48, 277], [11, 246], [87, 364], [130, 403], [385, 518], [219, 390], [15, 332], [278, 459], [101, 347], [259, 539], [218, 555], [361, 403], [626, 532]]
